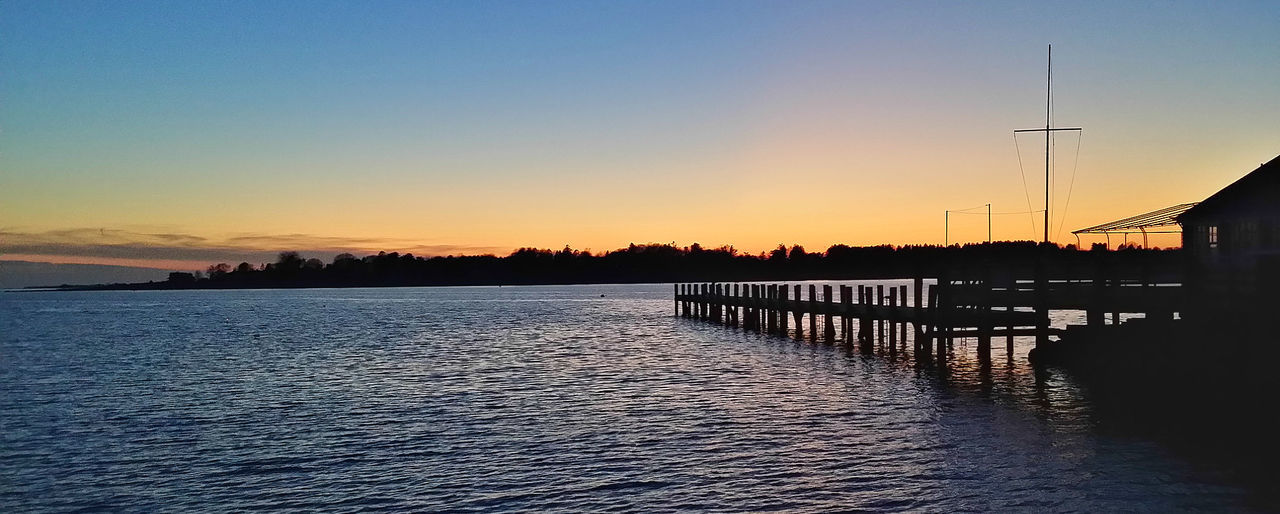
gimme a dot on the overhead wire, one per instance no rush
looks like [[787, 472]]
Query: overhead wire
[[1011, 213]]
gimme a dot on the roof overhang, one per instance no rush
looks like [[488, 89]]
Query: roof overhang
[[1161, 220]]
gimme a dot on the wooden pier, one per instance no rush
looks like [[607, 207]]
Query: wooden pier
[[930, 313]]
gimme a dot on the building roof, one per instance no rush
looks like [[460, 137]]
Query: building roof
[[1255, 193], [1165, 217]]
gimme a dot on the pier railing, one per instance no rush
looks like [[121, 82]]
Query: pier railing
[[982, 305]]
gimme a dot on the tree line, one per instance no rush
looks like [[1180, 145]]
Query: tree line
[[651, 263]]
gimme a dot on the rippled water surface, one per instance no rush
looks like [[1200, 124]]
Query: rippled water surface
[[577, 398]]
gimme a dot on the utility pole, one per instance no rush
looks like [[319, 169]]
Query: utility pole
[[988, 223], [946, 229]]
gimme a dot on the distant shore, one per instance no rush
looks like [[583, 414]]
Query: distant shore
[[652, 263]]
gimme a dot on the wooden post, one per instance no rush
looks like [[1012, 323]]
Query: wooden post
[[919, 301], [799, 315], [778, 314], [731, 305], [740, 311], [829, 326], [880, 313], [722, 296], [1042, 301], [760, 311], [782, 309], [676, 297], [924, 343], [694, 297], [720, 304], [696, 304], [709, 297], [942, 315], [1008, 307], [846, 303], [763, 311], [902, 307], [684, 303], [1008, 341], [690, 301], [766, 291], [726, 303], [711, 302], [753, 317], [985, 323], [862, 313], [1114, 282], [893, 312], [773, 308], [850, 302], [813, 312], [706, 304]]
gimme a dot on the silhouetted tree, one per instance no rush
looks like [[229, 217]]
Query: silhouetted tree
[[288, 261], [655, 262], [218, 270], [778, 254]]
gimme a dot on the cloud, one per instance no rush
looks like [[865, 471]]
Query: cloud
[[254, 248]]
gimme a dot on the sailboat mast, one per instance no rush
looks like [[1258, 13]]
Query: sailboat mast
[[1048, 147], [1048, 129]]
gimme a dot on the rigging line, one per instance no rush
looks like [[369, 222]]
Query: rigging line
[[999, 213], [1023, 172], [1053, 165], [983, 206], [1071, 185]]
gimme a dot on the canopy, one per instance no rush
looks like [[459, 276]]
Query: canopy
[[1157, 219]]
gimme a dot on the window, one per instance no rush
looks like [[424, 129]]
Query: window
[[1213, 236]]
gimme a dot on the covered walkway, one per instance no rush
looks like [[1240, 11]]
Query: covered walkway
[[1161, 221]]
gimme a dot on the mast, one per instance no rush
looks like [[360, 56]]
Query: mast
[[1048, 129]]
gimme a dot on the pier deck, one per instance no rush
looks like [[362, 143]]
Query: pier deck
[[936, 313]]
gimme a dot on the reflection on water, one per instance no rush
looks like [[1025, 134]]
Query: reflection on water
[[533, 398]]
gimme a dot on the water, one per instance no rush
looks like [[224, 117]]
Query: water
[[578, 398]]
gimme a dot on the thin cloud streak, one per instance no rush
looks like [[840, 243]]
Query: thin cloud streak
[[253, 248]]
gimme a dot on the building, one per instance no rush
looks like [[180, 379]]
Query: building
[[1232, 242]]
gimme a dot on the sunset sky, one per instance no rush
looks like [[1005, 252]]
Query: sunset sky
[[177, 134]]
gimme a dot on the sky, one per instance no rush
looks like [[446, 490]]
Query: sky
[[179, 134]]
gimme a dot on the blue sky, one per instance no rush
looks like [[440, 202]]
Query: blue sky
[[448, 126]]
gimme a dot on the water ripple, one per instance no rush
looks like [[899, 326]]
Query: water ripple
[[525, 398]]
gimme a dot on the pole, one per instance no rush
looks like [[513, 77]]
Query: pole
[[946, 228], [988, 223], [1048, 123]]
